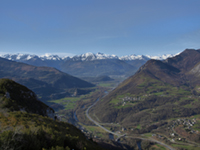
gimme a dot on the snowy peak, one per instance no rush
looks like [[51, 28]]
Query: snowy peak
[[105, 56], [50, 57], [83, 57], [146, 57], [134, 57], [26, 57], [16, 56], [19, 57], [98, 56], [162, 57], [92, 56]]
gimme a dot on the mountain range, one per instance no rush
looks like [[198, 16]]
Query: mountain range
[[88, 64], [44, 81], [147, 101], [83, 57], [158, 91]]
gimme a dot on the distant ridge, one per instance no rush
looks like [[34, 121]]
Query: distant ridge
[[83, 57], [44, 81], [81, 66]]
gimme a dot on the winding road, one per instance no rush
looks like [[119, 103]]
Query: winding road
[[120, 135]]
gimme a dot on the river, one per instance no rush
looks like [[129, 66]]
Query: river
[[75, 117]]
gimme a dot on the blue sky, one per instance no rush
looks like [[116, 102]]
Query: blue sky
[[120, 27]]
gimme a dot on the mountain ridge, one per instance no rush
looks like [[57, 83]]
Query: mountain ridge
[[166, 85], [17, 97], [84, 57], [88, 64], [42, 80]]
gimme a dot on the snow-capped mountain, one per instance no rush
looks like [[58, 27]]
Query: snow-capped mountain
[[25, 57], [165, 56], [83, 57], [91, 56], [50, 57], [16, 57], [134, 57], [103, 64]]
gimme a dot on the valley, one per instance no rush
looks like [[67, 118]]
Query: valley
[[158, 107], [156, 134], [100, 75]]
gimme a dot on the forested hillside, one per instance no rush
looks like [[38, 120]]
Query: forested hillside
[[25, 123]]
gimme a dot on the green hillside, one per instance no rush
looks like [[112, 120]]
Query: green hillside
[[25, 125], [159, 91]]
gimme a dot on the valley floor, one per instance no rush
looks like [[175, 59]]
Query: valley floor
[[173, 135]]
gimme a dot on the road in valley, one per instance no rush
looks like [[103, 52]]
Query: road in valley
[[121, 135]]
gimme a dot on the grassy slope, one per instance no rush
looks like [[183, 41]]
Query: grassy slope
[[31, 131], [162, 91], [27, 129]]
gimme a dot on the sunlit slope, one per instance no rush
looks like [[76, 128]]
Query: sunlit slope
[[159, 90]]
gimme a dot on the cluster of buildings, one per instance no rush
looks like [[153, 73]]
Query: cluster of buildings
[[187, 123], [129, 99]]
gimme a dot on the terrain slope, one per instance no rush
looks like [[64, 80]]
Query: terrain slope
[[44, 81], [26, 124], [158, 91]]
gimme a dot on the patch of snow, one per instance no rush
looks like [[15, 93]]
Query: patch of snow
[[50, 57], [106, 56], [29, 57], [19, 56], [134, 57], [162, 57]]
